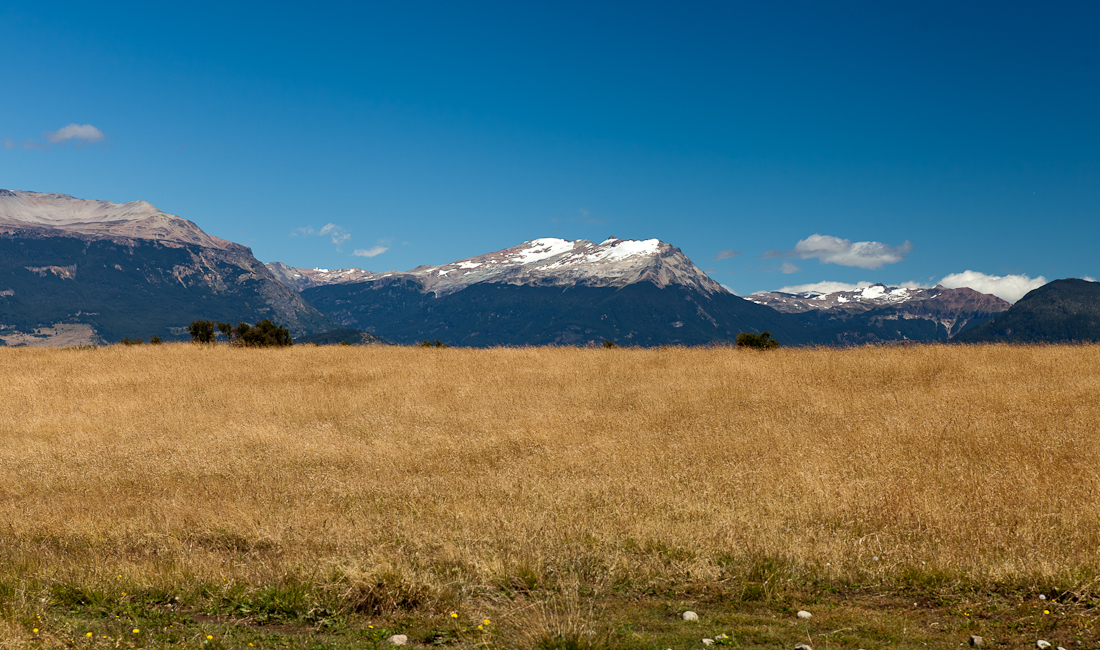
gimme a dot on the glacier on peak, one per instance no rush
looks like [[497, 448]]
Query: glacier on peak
[[547, 261]]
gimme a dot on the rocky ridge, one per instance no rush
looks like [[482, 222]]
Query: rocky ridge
[[50, 214], [538, 262], [954, 309], [302, 279], [127, 269]]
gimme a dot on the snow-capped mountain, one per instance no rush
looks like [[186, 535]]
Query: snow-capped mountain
[[302, 279], [852, 301], [878, 304], [549, 291], [539, 262], [878, 295]]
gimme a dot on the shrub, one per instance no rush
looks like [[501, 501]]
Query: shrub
[[263, 334], [609, 344], [761, 341], [433, 344]]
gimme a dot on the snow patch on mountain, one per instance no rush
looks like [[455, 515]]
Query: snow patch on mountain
[[952, 308], [541, 262]]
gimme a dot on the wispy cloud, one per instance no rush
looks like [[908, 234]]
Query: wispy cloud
[[9, 143], [787, 267], [1089, 278], [725, 255], [85, 133], [373, 251], [29, 144], [337, 233], [1006, 287], [844, 252]]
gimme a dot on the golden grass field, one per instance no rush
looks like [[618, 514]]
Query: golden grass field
[[392, 480]]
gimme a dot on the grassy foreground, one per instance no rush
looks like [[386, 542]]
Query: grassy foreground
[[191, 496]]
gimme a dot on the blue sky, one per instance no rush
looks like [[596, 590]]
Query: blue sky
[[951, 136]]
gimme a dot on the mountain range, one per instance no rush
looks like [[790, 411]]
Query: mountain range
[[879, 313], [76, 271], [551, 291]]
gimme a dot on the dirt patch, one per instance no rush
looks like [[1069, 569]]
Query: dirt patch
[[61, 335]]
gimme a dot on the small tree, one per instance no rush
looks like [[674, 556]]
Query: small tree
[[227, 331], [433, 344], [202, 331], [761, 341]]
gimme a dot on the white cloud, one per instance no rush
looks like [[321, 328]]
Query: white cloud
[[1089, 278], [787, 267], [84, 132], [845, 252], [8, 143], [1006, 287], [373, 251], [822, 287]]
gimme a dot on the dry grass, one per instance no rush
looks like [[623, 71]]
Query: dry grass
[[396, 479]]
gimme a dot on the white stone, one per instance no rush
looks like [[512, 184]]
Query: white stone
[[398, 639], [804, 615], [1042, 645], [708, 641], [976, 641], [689, 616], [802, 646]]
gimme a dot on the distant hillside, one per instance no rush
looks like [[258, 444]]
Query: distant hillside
[[491, 314], [1060, 311], [75, 271], [882, 314]]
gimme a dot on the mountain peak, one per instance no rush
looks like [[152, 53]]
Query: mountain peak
[[51, 214], [549, 261], [546, 261]]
